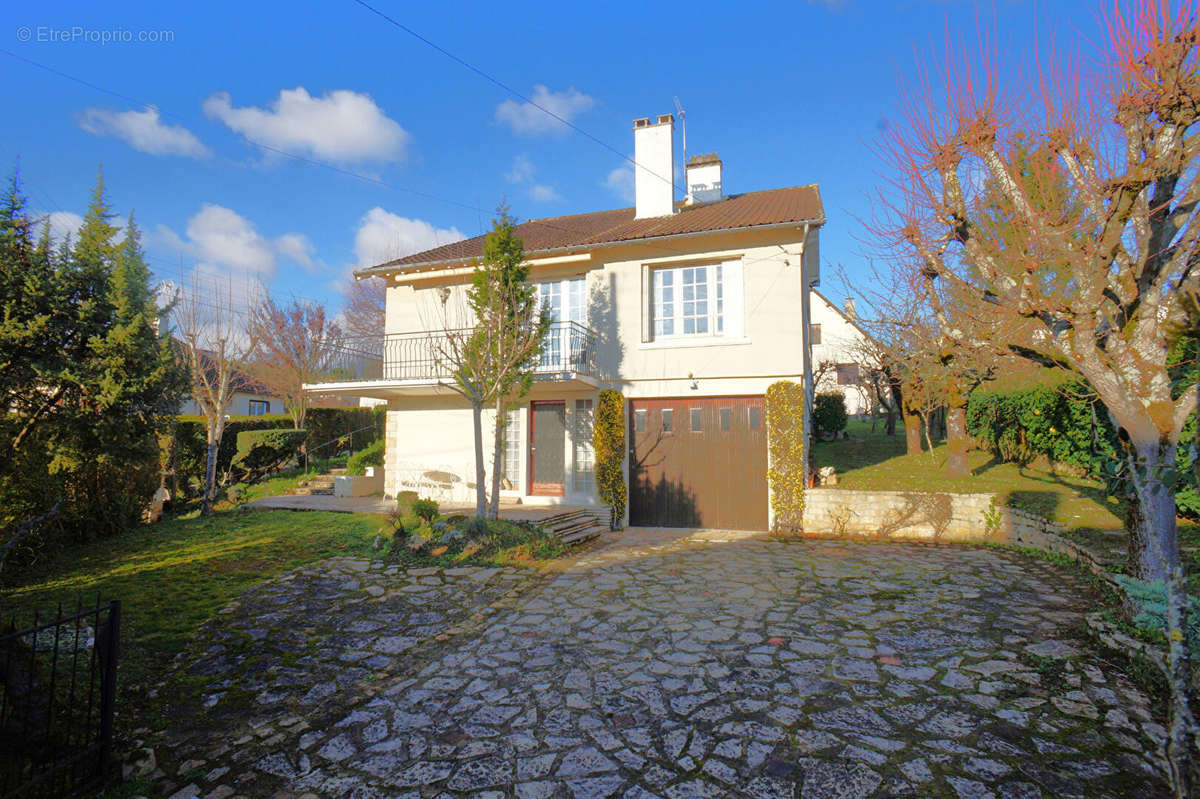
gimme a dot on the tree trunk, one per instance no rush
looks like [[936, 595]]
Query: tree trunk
[[1183, 746], [215, 428], [497, 460], [912, 431], [956, 441], [890, 424], [480, 472], [1153, 532]]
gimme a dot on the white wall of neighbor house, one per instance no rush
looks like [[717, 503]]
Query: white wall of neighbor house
[[840, 345], [240, 404]]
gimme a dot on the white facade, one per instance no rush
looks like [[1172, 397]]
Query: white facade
[[837, 350]]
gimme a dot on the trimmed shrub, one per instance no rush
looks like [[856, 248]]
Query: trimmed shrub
[[425, 509], [785, 445], [342, 427], [262, 451], [608, 441], [372, 455], [829, 414]]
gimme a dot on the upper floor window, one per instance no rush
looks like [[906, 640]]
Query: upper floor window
[[847, 374], [259, 407], [689, 301], [814, 334]]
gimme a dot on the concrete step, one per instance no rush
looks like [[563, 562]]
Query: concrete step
[[585, 534]]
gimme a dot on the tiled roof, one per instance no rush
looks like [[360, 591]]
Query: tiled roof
[[740, 211]]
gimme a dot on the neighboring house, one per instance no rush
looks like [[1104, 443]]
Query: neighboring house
[[252, 399], [691, 309], [839, 345]]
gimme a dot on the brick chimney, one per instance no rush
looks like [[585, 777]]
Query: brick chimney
[[654, 174]]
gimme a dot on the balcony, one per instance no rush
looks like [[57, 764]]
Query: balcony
[[415, 363]]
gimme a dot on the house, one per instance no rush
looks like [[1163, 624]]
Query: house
[[250, 397], [690, 307], [839, 346]]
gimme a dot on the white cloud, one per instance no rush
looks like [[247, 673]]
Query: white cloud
[[297, 247], [143, 131], [341, 125], [527, 119], [523, 172], [62, 224], [541, 193], [620, 183], [223, 241], [383, 236]]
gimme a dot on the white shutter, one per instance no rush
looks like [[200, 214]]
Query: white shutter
[[734, 296]]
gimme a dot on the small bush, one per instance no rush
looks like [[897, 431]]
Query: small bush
[[405, 500], [829, 414], [474, 528], [371, 456], [261, 451], [425, 509]]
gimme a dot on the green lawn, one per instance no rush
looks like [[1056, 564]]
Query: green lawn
[[873, 460], [173, 575]]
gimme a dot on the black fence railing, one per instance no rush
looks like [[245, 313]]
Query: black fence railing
[[569, 347], [58, 681]]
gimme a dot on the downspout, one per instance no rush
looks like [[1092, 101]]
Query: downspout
[[805, 328]]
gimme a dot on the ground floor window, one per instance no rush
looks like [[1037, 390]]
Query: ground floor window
[[512, 448], [585, 455], [259, 407]]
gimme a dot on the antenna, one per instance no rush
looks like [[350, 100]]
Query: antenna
[[683, 126]]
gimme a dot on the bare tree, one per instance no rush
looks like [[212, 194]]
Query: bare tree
[[1085, 250], [363, 315], [215, 346], [294, 345]]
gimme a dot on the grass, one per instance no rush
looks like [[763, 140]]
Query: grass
[[872, 460], [174, 575]]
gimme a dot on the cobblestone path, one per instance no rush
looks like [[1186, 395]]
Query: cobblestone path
[[682, 666]]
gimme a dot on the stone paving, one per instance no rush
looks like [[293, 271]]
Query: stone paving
[[669, 665]]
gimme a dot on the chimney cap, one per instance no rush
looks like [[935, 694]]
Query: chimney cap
[[703, 158], [644, 122]]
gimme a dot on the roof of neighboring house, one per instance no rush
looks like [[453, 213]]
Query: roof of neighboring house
[[840, 312], [755, 209]]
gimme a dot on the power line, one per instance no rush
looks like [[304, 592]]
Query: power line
[[492, 79]]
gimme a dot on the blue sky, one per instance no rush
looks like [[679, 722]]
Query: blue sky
[[787, 94]]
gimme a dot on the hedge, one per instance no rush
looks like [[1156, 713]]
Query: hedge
[[785, 447], [608, 441], [260, 451], [1065, 424], [371, 455], [185, 450]]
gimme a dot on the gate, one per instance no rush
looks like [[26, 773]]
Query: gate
[[58, 680]]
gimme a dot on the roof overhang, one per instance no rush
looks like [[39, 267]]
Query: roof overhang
[[580, 252]]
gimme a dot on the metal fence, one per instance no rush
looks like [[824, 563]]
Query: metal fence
[[58, 680], [568, 347]]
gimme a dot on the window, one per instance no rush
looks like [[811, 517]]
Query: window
[[688, 301], [697, 424], [814, 334], [512, 448], [755, 419], [259, 407], [726, 419], [564, 301], [847, 374], [585, 455], [668, 420], [639, 420]]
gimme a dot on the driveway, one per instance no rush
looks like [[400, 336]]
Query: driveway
[[668, 664]]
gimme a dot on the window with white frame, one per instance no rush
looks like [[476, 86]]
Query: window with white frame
[[702, 300], [564, 300], [585, 455], [512, 448]]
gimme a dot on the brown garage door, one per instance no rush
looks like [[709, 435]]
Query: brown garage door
[[698, 463]]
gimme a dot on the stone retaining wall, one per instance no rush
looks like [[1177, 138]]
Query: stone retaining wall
[[928, 515]]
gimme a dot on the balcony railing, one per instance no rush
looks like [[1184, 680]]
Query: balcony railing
[[569, 347]]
